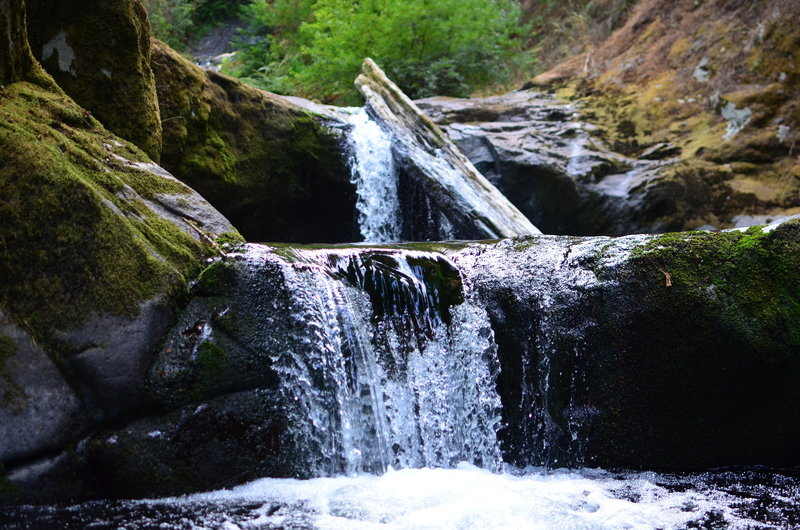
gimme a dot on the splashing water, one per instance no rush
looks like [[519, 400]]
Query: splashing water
[[372, 170], [395, 368]]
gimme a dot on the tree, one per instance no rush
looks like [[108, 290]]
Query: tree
[[428, 47]]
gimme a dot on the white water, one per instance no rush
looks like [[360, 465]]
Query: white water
[[390, 386], [372, 170], [468, 497]]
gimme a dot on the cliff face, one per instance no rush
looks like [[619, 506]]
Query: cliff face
[[720, 81]]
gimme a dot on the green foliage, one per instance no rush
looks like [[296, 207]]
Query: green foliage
[[315, 49], [171, 20], [180, 23]]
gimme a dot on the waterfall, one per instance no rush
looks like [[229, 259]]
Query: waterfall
[[395, 368], [373, 172]]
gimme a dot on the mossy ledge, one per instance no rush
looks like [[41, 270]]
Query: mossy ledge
[[78, 236]]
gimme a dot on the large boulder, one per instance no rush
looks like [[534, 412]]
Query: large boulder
[[276, 171], [99, 54], [98, 246], [675, 352]]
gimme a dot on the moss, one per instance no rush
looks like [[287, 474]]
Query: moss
[[752, 278], [8, 490], [216, 279], [212, 366], [110, 75], [74, 240], [269, 167], [12, 396]]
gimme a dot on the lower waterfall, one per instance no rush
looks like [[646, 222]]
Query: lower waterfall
[[395, 368]]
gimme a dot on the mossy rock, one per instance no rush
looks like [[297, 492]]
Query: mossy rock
[[273, 169], [703, 353], [98, 243], [99, 54]]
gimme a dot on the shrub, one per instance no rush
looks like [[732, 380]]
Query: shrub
[[445, 47]]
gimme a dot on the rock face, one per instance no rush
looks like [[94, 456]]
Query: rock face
[[98, 246], [673, 352], [539, 154], [276, 171], [99, 54], [434, 175], [719, 81], [551, 159]]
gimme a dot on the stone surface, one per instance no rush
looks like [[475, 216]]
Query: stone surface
[[276, 171], [39, 411], [99, 54], [92, 269], [539, 153]]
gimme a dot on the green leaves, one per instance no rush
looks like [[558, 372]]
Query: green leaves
[[444, 47]]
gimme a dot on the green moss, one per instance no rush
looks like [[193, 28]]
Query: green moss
[[76, 238], [271, 168], [12, 396], [212, 367], [751, 278], [110, 74], [8, 490], [215, 279]]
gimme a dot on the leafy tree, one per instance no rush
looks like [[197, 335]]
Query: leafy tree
[[428, 47]]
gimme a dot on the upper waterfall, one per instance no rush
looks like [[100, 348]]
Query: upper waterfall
[[374, 174], [442, 195]]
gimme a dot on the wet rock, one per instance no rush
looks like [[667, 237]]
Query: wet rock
[[219, 443], [674, 352]]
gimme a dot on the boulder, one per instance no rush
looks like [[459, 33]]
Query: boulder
[[675, 352], [98, 247], [99, 54], [540, 153], [278, 172]]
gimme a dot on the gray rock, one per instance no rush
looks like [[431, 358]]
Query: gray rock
[[114, 354], [538, 152], [39, 411]]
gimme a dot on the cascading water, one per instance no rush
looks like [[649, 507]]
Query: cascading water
[[396, 366], [373, 172]]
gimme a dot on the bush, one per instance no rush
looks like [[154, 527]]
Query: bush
[[444, 47], [171, 21], [181, 23]]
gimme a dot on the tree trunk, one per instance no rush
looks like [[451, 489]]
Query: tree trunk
[[15, 54]]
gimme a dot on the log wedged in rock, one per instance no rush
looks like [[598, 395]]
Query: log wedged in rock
[[427, 159]]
